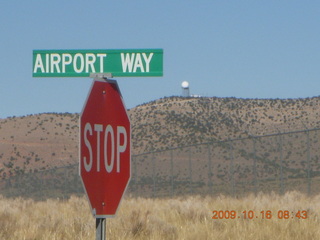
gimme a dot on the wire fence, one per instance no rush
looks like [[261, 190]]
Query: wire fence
[[278, 162]]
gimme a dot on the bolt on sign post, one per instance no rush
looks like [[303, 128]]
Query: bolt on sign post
[[105, 131]]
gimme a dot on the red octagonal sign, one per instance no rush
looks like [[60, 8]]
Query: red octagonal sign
[[105, 148]]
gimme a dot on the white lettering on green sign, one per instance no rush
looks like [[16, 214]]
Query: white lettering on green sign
[[79, 62], [131, 62]]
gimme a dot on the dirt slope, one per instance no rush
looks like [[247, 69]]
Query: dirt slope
[[37, 142]]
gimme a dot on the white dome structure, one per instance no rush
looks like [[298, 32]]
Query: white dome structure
[[185, 89], [185, 84]]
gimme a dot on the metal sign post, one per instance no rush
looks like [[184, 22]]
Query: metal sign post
[[100, 228]]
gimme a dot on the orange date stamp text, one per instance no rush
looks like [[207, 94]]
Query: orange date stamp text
[[264, 214]]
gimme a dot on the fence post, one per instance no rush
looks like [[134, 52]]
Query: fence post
[[281, 166], [255, 166], [134, 174], [190, 170], [232, 169], [171, 159], [308, 162], [209, 170], [153, 175]]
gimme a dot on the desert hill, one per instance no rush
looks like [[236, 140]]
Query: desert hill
[[37, 142], [176, 121]]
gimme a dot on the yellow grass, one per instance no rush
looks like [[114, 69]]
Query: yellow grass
[[178, 218]]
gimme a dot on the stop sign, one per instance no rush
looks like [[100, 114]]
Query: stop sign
[[105, 147]]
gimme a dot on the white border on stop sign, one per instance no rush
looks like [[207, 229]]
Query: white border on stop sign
[[83, 107]]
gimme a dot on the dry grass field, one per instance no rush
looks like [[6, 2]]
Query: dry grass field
[[179, 218]]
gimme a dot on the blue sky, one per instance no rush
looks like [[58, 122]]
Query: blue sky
[[245, 49]]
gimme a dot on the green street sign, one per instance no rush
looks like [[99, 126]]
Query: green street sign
[[80, 63]]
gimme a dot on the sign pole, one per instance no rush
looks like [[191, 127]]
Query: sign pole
[[101, 222], [100, 228]]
